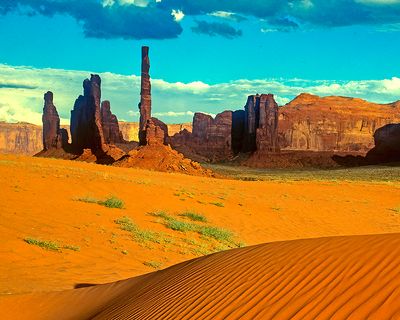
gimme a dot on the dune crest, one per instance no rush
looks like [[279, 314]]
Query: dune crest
[[350, 277]]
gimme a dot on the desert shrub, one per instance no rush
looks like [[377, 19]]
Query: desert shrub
[[218, 204], [47, 245], [194, 216], [216, 233], [153, 264], [111, 202]]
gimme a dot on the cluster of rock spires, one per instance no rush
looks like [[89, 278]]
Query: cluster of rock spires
[[96, 136], [268, 134]]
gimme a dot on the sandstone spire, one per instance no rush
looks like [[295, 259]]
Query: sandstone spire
[[53, 136], [86, 129], [145, 96]]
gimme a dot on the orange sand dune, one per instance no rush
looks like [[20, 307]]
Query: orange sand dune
[[352, 277], [38, 200]]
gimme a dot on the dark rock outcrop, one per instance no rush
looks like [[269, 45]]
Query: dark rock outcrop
[[145, 96], [109, 123], [53, 136], [387, 145], [86, 128]]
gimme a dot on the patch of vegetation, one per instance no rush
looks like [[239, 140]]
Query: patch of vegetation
[[140, 235], [218, 204], [370, 174], [71, 247], [124, 252], [47, 245], [111, 202], [194, 216], [50, 245], [396, 210], [153, 264], [181, 226], [217, 233]]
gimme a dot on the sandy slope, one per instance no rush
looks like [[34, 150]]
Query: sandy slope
[[37, 200], [353, 277]]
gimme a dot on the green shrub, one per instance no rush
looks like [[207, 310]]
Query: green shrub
[[216, 233], [194, 216], [47, 245]]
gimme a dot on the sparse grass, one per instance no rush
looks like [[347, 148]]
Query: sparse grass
[[47, 245], [71, 247], [181, 226], [217, 233], [396, 210], [371, 174], [194, 216], [111, 202], [162, 215], [153, 264], [50, 245], [218, 204], [140, 235]]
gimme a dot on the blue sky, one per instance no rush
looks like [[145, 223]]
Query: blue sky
[[199, 49]]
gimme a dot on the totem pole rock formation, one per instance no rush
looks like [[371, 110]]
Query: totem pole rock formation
[[109, 123], [53, 136], [267, 131], [145, 96], [86, 128]]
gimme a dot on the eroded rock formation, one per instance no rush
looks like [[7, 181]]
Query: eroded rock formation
[[337, 124], [145, 96], [210, 138], [53, 136], [154, 134], [86, 128], [248, 130], [109, 123]]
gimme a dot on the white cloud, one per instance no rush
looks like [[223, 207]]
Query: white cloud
[[378, 2], [22, 90], [177, 14]]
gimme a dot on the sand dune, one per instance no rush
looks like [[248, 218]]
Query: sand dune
[[352, 277]]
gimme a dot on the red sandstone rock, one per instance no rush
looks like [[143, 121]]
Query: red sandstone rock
[[109, 123], [86, 129], [163, 127], [53, 136], [162, 158], [211, 138], [145, 96], [155, 136], [267, 131], [337, 124]]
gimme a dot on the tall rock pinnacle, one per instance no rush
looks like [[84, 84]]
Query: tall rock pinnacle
[[53, 136], [86, 129], [145, 96]]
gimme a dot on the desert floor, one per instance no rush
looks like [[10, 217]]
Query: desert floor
[[87, 243]]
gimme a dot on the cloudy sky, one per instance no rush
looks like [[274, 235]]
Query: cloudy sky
[[206, 55]]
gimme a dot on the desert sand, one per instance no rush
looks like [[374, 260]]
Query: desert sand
[[353, 277], [345, 276]]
